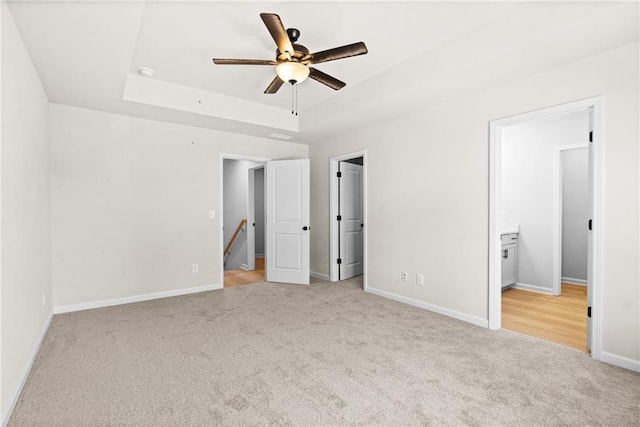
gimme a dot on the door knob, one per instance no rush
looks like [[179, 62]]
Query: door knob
[[305, 228]]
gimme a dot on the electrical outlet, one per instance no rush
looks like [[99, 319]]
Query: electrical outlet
[[194, 268], [420, 279], [404, 276], [44, 299], [212, 214]]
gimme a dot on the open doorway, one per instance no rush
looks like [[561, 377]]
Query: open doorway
[[348, 231], [243, 221], [557, 313], [286, 219], [527, 277]]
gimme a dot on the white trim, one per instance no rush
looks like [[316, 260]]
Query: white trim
[[333, 212], [598, 221], [495, 288], [320, 276], [533, 288], [478, 321], [25, 375], [2, 420], [572, 281], [557, 213], [621, 361], [220, 217], [59, 309], [495, 234]]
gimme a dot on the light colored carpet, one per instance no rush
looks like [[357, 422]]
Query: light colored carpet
[[325, 354]]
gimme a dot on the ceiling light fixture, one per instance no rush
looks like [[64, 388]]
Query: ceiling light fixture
[[145, 71], [292, 72]]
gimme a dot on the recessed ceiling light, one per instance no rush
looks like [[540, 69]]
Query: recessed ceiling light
[[280, 136], [145, 71]]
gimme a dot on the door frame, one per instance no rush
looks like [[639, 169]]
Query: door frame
[[221, 158], [251, 214], [557, 213], [495, 191], [333, 213]]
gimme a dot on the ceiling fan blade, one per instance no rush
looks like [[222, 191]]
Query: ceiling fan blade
[[274, 85], [326, 79], [346, 51], [220, 61], [279, 34]]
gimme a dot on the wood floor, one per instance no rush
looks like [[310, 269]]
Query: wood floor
[[244, 277], [561, 319]]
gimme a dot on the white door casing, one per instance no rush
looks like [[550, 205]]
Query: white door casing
[[590, 234], [287, 246], [251, 218], [557, 214], [351, 220]]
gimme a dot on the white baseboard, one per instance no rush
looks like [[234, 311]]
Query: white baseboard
[[25, 375], [320, 276], [572, 281], [431, 307], [59, 309], [533, 288], [623, 362]]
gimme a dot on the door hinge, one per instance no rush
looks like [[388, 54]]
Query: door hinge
[[590, 136], [339, 217], [589, 312], [339, 174], [590, 224], [339, 260]]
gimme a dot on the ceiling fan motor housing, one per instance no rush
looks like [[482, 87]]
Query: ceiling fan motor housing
[[293, 34]]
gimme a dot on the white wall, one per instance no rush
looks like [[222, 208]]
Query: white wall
[[26, 214], [575, 214], [428, 192], [235, 193], [528, 193], [130, 203]]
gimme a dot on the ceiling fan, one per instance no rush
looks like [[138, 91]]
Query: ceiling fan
[[293, 60]]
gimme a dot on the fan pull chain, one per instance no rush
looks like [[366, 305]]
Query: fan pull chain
[[294, 99]]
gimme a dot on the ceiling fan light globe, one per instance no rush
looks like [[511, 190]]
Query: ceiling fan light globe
[[292, 72]]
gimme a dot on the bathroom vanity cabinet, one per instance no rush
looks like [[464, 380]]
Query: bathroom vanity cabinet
[[509, 259]]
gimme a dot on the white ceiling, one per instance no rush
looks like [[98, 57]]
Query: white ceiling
[[87, 54]]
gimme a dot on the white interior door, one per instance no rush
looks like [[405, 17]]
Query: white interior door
[[287, 222], [351, 220]]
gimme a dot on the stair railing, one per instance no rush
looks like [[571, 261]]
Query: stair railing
[[227, 248]]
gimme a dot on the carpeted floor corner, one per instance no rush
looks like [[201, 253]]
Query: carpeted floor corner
[[325, 354]]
